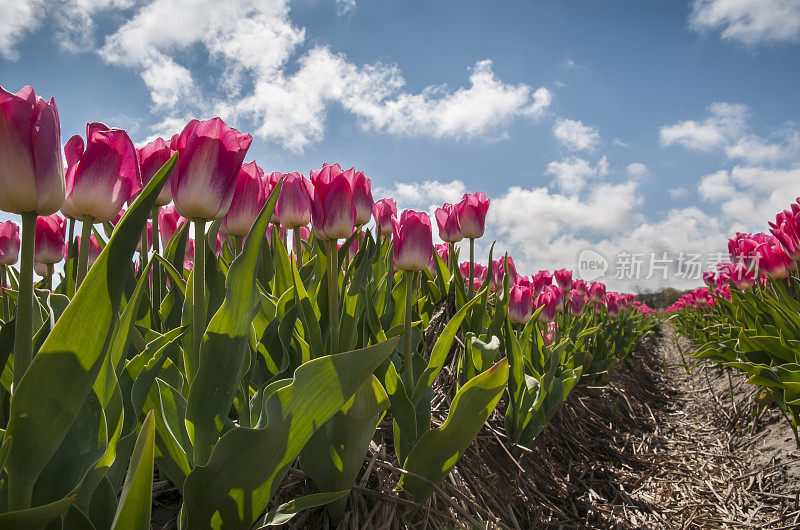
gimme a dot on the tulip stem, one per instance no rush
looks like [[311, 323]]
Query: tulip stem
[[23, 332], [3, 287], [298, 248], [156, 270], [83, 255], [198, 295], [49, 276], [409, 360], [471, 267], [333, 295]]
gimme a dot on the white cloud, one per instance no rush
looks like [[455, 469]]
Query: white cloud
[[637, 170], [749, 196], [284, 93], [575, 135], [426, 195], [749, 21], [620, 143], [345, 7], [726, 122], [678, 193], [19, 18], [571, 174]]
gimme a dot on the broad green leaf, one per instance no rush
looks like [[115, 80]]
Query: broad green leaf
[[136, 500], [34, 518], [61, 375], [247, 465], [335, 453], [438, 450], [286, 511]]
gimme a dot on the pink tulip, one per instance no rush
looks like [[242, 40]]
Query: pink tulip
[[249, 197], [541, 280], [294, 206], [169, 221], [596, 292], [94, 248], [444, 252], [580, 285], [449, 224], [575, 302], [563, 278], [741, 277], [547, 301], [413, 241], [481, 271], [210, 156], [9, 243], [773, 261], [104, 176], [188, 260], [333, 215], [499, 271], [149, 238], [612, 304], [281, 232], [709, 278], [31, 170], [49, 239], [558, 293], [472, 214], [151, 158], [362, 198], [520, 304], [384, 210]]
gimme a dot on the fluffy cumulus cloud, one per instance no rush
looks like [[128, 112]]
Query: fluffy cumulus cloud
[[725, 130], [571, 174], [272, 82], [576, 136], [749, 22]]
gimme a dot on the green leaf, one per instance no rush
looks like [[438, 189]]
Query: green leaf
[[335, 453], [438, 450], [136, 500], [440, 351], [284, 513], [225, 343], [34, 518], [68, 362], [247, 465]]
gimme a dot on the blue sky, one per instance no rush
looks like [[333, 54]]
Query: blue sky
[[619, 126]]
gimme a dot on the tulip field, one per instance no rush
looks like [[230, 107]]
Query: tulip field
[[199, 322]]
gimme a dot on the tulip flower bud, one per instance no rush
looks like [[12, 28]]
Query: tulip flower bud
[[362, 198], [49, 239], [559, 294], [294, 206], [169, 221], [104, 176], [563, 278], [499, 271], [547, 301], [333, 215], [541, 280], [9, 243], [188, 259], [151, 158], [444, 252], [384, 210], [413, 241], [249, 196], [575, 302], [31, 170], [449, 225], [472, 214], [742, 278], [612, 304], [773, 261], [210, 155], [596, 292], [520, 304]]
